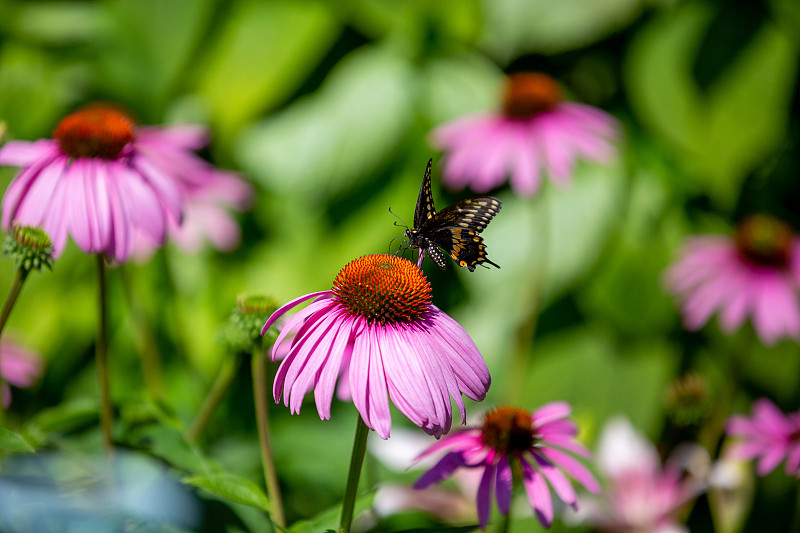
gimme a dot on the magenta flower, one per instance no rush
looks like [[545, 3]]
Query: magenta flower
[[538, 442], [208, 193], [379, 335], [92, 182], [639, 494], [769, 435], [756, 273], [19, 367], [535, 133]]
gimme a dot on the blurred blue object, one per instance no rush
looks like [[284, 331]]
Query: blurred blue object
[[61, 492]]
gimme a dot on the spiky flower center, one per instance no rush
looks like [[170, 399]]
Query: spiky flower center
[[30, 248], [97, 131], [256, 304], [764, 240], [508, 429], [529, 93], [688, 399], [32, 238], [383, 289]]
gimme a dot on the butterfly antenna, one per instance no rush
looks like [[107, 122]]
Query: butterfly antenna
[[402, 222]]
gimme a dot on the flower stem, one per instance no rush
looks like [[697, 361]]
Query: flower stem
[[519, 362], [505, 522], [259, 370], [10, 301], [212, 401], [356, 461], [101, 355], [145, 340]]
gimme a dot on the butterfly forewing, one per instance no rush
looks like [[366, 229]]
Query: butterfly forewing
[[454, 229], [425, 210]]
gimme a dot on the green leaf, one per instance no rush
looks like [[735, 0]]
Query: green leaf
[[150, 45], [458, 85], [65, 417], [723, 135], [230, 487], [330, 139], [263, 52], [515, 26], [564, 230], [11, 441], [584, 367], [329, 519]]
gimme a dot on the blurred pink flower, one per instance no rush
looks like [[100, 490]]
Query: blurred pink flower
[[756, 273], [640, 496], [769, 435], [208, 193], [92, 182], [536, 132], [378, 334], [537, 441], [19, 367]]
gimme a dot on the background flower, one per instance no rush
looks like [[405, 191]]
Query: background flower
[[536, 133], [208, 193], [768, 435], [755, 274], [19, 367], [640, 495], [536, 441], [90, 182]]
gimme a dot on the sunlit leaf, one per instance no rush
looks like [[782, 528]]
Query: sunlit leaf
[[262, 53], [230, 487], [544, 246], [150, 45], [327, 140]]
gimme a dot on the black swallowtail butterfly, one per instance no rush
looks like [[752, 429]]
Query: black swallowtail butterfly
[[455, 228]]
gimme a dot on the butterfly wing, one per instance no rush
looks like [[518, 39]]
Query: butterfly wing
[[472, 213], [456, 228], [425, 211]]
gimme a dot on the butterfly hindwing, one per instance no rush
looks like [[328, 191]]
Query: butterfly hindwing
[[454, 229]]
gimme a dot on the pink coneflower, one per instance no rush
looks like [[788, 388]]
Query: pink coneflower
[[769, 435], [537, 441], [90, 181], [756, 273], [536, 132], [378, 333], [640, 495], [208, 193], [19, 367]]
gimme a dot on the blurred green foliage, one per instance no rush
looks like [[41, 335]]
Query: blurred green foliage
[[326, 108]]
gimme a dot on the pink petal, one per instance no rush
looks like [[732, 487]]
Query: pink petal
[[503, 485], [538, 494]]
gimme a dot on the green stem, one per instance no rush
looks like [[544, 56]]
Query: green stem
[[212, 401], [353, 475], [145, 340], [505, 522], [519, 362], [259, 370], [101, 355], [10, 301]]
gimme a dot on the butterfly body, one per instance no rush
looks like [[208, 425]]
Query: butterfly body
[[454, 229]]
